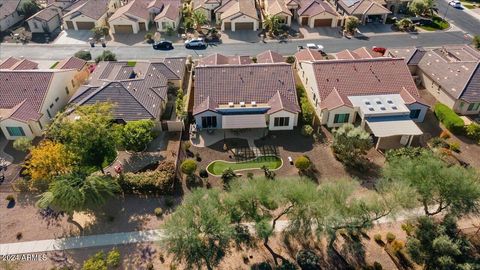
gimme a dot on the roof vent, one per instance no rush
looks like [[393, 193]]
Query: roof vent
[[371, 108], [383, 108], [242, 104], [230, 104], [389, 101], [367, 102], [254, 104], [394, 108], [378, 101]]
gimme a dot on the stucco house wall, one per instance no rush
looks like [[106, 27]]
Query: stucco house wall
[[340, 110], [198, 118], [82, 18], [163, 23], [10, 20], [240, 19], [14, 123], [40, 26], [125, 21], [291, 123]]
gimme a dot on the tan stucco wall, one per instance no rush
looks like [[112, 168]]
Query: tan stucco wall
[[291, 123], [14, 123], [323, 15], [82, 18], [340, 110], [52, 24], [174, 24], [124, 21], [240, 20]]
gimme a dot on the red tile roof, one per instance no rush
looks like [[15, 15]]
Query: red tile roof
[[220, 59], [94, 9], [9, 62], [270, 57], [7, 7], [313, 7], [308, 55], [71, 63]]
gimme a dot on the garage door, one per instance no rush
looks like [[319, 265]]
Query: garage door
[[322, 22], [123, 29], [85, 25], [244, 26]]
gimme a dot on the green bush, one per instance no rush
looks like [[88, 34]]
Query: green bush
[[22, 144], [302, 163], [10, 198], [169, 202], [473, 131], [96, 262], [286, 265], [136, 135], [290, 59], [377, 266], [307, 259], [159, 181], [390, 237], [158, 212], [113, 258], [378, 238], [410, 152], [203, 173], [189, 166], [454, 146], [438, 142], [261, 266], [83, 54], [449, 118], [308, 112], [307, 130], [476, 41], [106, 56]]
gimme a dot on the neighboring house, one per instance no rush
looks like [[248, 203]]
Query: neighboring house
[[270, 57], [378, 93], [233, 96], [238, 15], [169, 16], [138, 92], [9, 13], [279, 9], [29, 99], [360, 53], [63, 4], [317, 13], [87, 14], [220, 59], [367, 11], [13, 63], [450, 73], [207, 7], [131, 18], [46, 21], [306, 55]]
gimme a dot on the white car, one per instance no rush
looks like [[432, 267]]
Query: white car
[[315, 47], [455, 4]]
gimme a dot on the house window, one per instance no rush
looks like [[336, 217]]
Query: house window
[[209, 121], [281, 121], [473, 106], [414, 114], [66, 90], [15, 131], [341, 118]]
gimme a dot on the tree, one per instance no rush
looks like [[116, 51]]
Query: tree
[[272, 23], [405, 24], [75, 192], [307, 259], [100, 31], [435, 184], [28, 8], [476, 41], [90, 135], [48, 160], [106, 56], [84, 54], [302, 163], [180, 104], [351, 24], [440, 246], [422, 7], [22, 144], [188, 166], [199, 232], [350, 144], [137, 134], [199, 18]]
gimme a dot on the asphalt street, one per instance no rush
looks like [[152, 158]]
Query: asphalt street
[[58, 52], [459, 17]]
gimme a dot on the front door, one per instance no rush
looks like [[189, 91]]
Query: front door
[[141, 26], [304, 20]]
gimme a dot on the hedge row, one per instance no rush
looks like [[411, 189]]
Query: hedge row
[[308, 112], [449, 118], [159, 181]]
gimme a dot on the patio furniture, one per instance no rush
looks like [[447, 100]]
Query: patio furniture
[[290, 160]]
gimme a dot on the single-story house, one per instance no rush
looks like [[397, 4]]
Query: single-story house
[[46, 21], [360, 53], [138, 92], [207, 7], [411, 56], [279, 9], [13, 63], [367, 11], [9, 13], [87, 14], [247, 96], [63, 4], [220, 59], [270, 57], [238, 15], [130, 18], [306, 55], [378, 93], [317, 13], [31, 98], [169, 16]]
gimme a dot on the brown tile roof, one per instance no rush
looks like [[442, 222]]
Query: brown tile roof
[[201, 3], [24, 64], [361, 7], [275, 7], [71, 63], [9, 62], [220, 59], [24, 92], [270, 57], [241, 7], [314, 7], [171, 11], [360, 53], [244, 83], [7, 7], [411, 55], [136, 8], [94, 9], [308, 55], [338, 79], [47, 13]]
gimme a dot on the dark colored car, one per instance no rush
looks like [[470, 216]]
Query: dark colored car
[[163, 45], [195, 44]]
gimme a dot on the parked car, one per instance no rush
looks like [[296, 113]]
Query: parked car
[[455, 4], [163, 45], [315, 47], [197, 43]]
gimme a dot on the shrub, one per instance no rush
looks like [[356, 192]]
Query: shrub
[[203, 173], [158, 212], [10, 198], [228, 175], [350, 144], [377, 266], [106, 56], [473, 131], [22, 144], [476, 41], [136, 135], [261, 266], [148, 37], [84, 54], [99, 32], [410, 152], [397, 245], [188, 166], [308, 111], [21, 185], [250, 175], [454, 146], [307, 130], [408, 228], [96, 262], [302, 163], [307, 259], [150, 266], [169, 202], [351, 24], [449, 118], [159, 181], [390, 237], [378, 238], [405, 24], [170, 31], [113, 258], [438, 142], [19, 235], [286, 265], [445, 134], [290, 59]]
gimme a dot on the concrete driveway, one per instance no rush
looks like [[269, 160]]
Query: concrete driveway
[[320, 32], [73, 37], [376, 28], [240, 36]]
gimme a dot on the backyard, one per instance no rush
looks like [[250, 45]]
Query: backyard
[[271, 162]]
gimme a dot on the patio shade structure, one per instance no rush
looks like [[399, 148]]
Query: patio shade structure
[[383, 127], [244, 121]]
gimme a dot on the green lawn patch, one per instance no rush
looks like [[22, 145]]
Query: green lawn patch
[[437, 24], [131, 63], [272, 162], [54, 65]]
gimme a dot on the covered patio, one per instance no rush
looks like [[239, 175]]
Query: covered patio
[[393, 132]]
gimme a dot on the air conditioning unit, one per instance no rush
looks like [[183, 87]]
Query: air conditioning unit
[[230, 104], [242, 104]]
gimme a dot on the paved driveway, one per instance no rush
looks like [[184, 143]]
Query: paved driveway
[[73, 37], [240, 36], [320, 32]]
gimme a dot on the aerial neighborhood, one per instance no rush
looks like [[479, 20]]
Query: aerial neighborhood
[[240, 134]]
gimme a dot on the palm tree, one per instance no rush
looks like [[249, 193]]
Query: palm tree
[[199, 18], [272, 23]]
